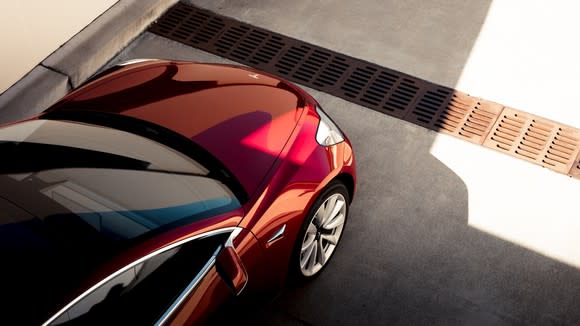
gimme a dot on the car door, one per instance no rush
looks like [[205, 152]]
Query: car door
[[179, 284]]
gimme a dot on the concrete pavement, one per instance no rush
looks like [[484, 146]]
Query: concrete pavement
[[442, 231], [410, 254], [518, 53], [487, 49]]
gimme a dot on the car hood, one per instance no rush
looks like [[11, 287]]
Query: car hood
[[241, 116]]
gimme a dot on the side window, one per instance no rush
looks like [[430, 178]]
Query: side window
[[142, 293]]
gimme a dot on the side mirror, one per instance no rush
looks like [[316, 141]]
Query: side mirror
[[231, 269]]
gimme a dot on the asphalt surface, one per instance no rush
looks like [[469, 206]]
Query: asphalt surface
[[484, 48], [409, 255], [414, 251]]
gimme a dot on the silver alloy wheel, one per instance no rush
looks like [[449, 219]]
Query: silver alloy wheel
[[323, 234]]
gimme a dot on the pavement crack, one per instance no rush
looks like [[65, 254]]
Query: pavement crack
[[68, 79]]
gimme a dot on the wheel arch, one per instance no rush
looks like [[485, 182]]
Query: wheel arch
[[348, 181]]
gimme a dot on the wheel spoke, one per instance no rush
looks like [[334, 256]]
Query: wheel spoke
[[336, 209], [321, 257], [311, 229], [308, 241], [313, 257], [309, 237], [307, 254], [328, 208], [331, 238], [334, 223], [320, 215]]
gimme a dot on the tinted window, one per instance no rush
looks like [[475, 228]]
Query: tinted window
[[121, 185], [141, 294], [76, 195]]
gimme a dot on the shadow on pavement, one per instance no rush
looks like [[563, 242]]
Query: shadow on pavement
[[408, 255], [427, 39]]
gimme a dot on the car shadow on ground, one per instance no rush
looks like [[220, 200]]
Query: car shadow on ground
[[408, 255]]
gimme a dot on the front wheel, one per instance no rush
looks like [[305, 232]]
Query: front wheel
[[321, 231]]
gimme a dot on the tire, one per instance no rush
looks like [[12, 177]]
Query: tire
[[318, 235]]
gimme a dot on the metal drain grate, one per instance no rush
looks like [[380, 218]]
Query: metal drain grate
[[575, 171], [432, 106], [535, 139], [311, 65], [192, 27], [381, 89], [449, 111], [360, 82], [249, 45]]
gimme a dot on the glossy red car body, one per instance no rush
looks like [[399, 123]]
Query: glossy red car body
[[261, 128]]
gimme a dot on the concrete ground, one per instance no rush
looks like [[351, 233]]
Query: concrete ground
[[409, 255], [441, 231], [515, 54]]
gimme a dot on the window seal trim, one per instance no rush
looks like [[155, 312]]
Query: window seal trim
[[193, 284], [138, 261], [188, 289]]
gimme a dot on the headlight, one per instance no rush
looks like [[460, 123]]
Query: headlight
[[328, 133]]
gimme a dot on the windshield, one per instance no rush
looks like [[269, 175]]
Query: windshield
[[118, 183], [72, 195]]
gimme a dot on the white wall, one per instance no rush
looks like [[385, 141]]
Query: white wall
[[31, 30], [527, 56]]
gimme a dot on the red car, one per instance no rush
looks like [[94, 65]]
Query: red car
[[159, 189]]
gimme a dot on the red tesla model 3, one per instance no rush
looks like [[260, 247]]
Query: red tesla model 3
[[160, 189]]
